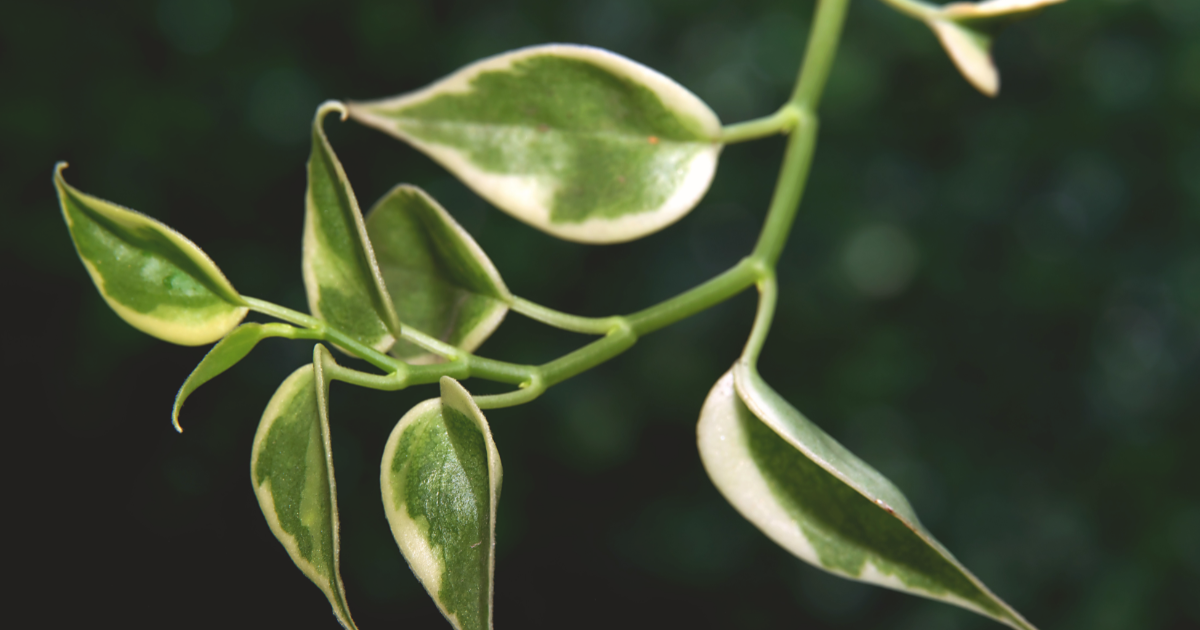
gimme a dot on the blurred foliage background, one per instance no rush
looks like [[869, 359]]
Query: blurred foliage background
[[995, 302]]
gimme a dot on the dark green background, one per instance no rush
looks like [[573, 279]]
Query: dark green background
[[1033, 388]]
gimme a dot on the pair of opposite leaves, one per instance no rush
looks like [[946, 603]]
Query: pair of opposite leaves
[[347, 267], [440, 480]]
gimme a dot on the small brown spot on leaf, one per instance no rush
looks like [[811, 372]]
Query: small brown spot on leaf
[[652, 139], [543, 127]]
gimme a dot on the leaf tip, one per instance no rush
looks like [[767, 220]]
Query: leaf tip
[[330, 106]]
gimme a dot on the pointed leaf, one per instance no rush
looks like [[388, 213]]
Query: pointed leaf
[[966, 30], [291, 468], [229, 350], [441, 482], [440, 280], [341, 276], [820, 502], [152, 276], [971, 52], [576, 141]]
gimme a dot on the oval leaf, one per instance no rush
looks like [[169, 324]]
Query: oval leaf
[[576, 141], [820, 502], [340, 274], [232, 348], [291, 467], [441, 482], [440, 280], [152, 276]]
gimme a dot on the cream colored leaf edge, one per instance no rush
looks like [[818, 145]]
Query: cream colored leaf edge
[[487, 325], [994, 8], [311, 246], [292, 386], [727, 460], [417, 551], [528, 197], [158, 322], [973, 60]]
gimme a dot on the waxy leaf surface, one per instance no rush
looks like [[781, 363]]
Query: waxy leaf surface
[[291, 468], [441, 482], [576, 141], [151, 276], [229, 350], [343, 281], [821, 502], [440, 281]]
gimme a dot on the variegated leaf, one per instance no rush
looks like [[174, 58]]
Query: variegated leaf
[[440, 280], [343, 281], [576, 141], [291, 468], [441, 482], [819, 501], [152, 276], [229, 350], [966, 31]]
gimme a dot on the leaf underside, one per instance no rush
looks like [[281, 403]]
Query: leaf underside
[[440, 281], [576, 141], [440, 479], [153, 277], [820, 502]]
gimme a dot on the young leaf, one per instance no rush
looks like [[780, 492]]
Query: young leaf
[[441, 482], [152, 276], [966, 31], [291, 468], [814, 498], [232, 348], [576, 141], [440, 280], [341, 276]]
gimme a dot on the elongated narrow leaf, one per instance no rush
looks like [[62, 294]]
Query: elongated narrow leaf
[[820, 502], [232, 348], [440, 280], [291, 467], [576, 141], [441, 482], [341, 276], [152, 276]]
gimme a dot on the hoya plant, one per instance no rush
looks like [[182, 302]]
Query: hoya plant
[[585, 145]]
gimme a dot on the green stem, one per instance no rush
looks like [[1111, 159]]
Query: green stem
[[329, 333], [818, 57], [793, 174], [521, 396], [707, 295], [797, 160], [589, 356], [781, 122], [573, 323], [767, 296]]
